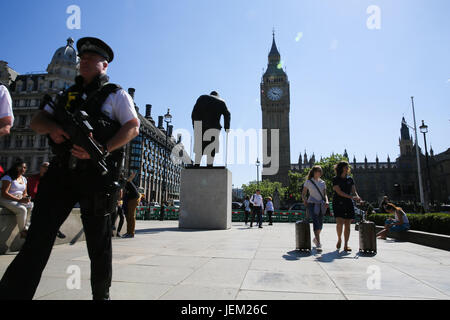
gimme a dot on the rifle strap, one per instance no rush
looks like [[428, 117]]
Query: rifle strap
[[95, 102]]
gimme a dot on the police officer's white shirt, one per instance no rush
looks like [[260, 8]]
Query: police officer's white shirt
[[6, 104], [257, 200], [118, 106]]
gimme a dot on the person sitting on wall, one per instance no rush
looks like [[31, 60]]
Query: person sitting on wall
[[399, 224]]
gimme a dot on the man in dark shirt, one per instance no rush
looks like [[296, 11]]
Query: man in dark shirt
[[130, 202], [208, 110]]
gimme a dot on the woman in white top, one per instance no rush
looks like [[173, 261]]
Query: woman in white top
[[14, 195], [317, 203]]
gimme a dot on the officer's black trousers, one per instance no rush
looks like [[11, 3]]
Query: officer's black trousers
[[59, 190]]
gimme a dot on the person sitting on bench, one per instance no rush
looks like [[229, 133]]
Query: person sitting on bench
[[400, 223]]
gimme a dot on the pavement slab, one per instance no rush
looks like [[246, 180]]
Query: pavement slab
[[163, 262]]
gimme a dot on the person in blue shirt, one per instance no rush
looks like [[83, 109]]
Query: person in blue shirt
[[269, 210], [247, 209], [400, 223]]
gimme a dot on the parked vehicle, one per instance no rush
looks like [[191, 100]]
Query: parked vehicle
[[236, 205], [176, 204], [297, 207], [155, 204]]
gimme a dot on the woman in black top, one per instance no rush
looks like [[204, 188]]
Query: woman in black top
[[344, 211]]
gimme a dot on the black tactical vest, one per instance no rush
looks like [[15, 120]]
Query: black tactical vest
[[91, 99]]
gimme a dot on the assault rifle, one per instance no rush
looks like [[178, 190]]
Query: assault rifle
[[79, 129]]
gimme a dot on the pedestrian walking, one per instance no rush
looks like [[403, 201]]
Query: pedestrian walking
[[119, 213], [258, 208], [344, 195], [317, 203], [131, 201], [247, 209], [269, 210]]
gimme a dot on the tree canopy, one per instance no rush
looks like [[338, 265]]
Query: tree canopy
[[267, 188], [297, 179]]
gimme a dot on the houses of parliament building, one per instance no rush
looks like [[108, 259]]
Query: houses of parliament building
[[396, 179]]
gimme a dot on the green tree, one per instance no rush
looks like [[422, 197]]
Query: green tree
[[297, 179], [267, 188]]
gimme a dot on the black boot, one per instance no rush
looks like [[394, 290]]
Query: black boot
[[100, 297]]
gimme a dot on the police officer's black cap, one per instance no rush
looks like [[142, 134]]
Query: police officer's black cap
[[95, 45]]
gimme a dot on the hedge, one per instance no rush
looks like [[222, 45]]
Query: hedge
[[430, 222]]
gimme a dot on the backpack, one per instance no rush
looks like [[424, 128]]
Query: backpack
[[251, 204]]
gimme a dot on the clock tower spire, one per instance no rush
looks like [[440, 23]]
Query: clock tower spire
[[275, 105]]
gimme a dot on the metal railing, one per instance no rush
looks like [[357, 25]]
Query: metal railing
[[279, 216]]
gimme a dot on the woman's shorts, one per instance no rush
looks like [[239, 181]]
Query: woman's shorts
[[343, 209], [316, 218], [398, 228]]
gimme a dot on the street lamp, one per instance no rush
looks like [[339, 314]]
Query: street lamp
[[424, 130], [257, 170], [167, 120], [422, 199]]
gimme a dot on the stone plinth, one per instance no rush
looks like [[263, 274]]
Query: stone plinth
[[205, 198]]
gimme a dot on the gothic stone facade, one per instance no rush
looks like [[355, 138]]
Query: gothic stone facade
[[398, 180]]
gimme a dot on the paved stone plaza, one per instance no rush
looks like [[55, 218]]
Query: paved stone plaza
[[163, 262]]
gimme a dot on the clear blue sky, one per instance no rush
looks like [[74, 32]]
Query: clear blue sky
[[350, 86]]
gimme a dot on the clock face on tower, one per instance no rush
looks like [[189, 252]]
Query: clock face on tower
[[275, 93]]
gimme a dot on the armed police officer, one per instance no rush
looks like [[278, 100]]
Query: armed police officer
[[78, 174]]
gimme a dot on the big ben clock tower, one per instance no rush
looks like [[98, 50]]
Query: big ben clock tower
[[275, 105]]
